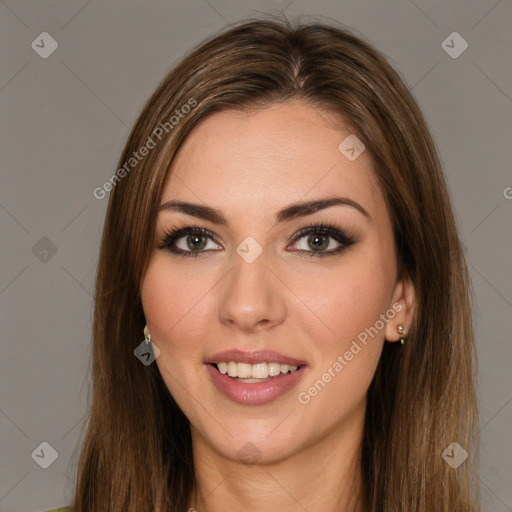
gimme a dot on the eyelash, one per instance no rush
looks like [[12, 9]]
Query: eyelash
[[342, 237]]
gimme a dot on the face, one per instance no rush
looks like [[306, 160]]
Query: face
[[265, 291]]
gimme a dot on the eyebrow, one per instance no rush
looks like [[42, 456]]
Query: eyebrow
[[293, 211]]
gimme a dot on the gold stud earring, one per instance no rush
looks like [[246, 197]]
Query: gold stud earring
[[403, 333], [147, 336]]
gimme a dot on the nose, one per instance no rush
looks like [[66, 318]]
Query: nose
[[252, 297]]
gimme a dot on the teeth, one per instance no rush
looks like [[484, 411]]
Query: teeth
[[259, 371], [232, 370], [254, 371], [274, 369], [244, 371]]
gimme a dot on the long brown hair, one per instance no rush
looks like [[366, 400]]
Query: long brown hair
[[137, 453]]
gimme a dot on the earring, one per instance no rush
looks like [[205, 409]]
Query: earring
[[403, 333], [147, 336]]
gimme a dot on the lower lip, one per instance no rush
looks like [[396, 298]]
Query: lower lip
[[257, 393]]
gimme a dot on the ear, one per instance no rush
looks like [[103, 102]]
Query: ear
[[403, 302]]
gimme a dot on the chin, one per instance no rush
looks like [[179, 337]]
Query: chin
[[253, 442]]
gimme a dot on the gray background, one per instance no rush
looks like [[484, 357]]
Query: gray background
[[65, 120]]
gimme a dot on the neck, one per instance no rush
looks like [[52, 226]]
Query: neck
[[324, 476]]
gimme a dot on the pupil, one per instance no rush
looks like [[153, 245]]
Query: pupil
[[192, 242], [320, 238]]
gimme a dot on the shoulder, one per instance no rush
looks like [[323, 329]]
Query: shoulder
[[61, 509]]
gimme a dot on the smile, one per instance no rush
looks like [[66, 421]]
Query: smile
[[254, 384], [254, 372]]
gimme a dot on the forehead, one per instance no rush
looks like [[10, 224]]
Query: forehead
[[287, 152]]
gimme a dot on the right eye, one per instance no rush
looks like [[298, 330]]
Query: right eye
[[188, 241]]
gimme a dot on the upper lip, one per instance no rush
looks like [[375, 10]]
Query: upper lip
[[260, 356]]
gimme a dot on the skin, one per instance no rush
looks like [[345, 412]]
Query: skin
[[249, 165]]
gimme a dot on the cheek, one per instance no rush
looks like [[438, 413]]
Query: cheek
[[174, 305], [174, 301], [348, 341], [348, 331], [345, 300]]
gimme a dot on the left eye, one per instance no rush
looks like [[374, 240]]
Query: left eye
[[317, 242], [318, 239]]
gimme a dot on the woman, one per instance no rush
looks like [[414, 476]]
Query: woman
[[280, 233]]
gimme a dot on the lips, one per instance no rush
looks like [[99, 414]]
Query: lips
[[250, 391], [261, 356]]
